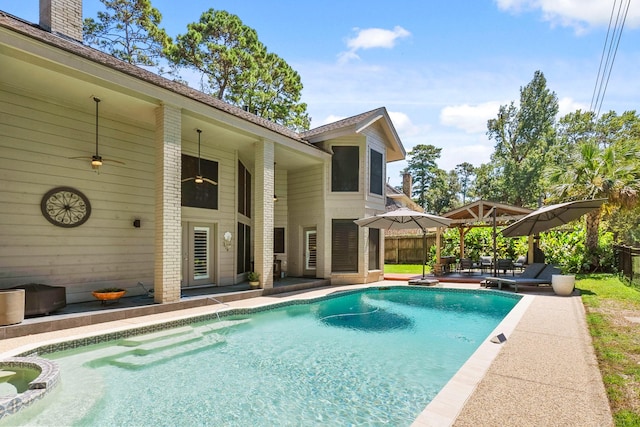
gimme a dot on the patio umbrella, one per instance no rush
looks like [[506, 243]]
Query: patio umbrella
[[406, 219], [551, 216]]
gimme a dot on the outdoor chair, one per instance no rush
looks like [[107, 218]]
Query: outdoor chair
[[467, 265], [505, 265], [520, 263], [486, 263]]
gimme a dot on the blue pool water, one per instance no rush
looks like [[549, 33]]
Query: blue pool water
[[375, 357]]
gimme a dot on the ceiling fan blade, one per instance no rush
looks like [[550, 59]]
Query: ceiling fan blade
[[188, 179], [210, 181], [113, 161]]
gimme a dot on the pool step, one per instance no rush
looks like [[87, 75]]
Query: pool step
[[167, 333], [155, 353], [142, 339]]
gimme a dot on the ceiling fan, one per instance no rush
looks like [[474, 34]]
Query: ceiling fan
[[96, 159], [199, 179]]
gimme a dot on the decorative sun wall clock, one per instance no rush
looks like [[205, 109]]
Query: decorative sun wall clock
[[65, 207]]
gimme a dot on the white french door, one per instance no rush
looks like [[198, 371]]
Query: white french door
[[197, 254], [310, 252]]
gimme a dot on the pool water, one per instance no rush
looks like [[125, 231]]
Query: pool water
[[375, 357]]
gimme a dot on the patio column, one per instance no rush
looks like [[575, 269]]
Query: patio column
[[168, 213], [437, 268], [264, 191]]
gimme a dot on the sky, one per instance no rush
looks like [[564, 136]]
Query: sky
[[442, 68]]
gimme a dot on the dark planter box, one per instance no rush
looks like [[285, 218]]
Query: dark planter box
[[42, 299]]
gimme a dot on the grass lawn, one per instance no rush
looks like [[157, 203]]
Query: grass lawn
[[406, 268], [613, 310]]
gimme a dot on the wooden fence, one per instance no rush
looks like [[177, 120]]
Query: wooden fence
[[406, 249], [627, 262]]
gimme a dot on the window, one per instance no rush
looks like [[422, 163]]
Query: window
[[344, 246], [278, 240], [345, 168], [244, 191], [374, 249], [203, 195], [375, 172], [244, 249]]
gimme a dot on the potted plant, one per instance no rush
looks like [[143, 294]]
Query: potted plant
[[563, 284], [108, 294], [254, 279]]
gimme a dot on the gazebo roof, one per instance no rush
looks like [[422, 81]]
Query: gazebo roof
[[480, 214]]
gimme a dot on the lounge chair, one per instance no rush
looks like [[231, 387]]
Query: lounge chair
[[535, 274]]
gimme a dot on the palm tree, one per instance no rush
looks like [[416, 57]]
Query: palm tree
[[593, 171]]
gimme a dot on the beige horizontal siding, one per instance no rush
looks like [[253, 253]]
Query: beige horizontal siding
[[37, 137]]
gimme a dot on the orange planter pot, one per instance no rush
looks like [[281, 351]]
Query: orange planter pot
[[106, 296]]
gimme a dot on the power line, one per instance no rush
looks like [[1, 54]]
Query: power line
[[604, 73]]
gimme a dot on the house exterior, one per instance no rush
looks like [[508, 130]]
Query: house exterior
[[140, 216]]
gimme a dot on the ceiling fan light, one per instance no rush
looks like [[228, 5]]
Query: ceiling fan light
[[199, 180], [96, 162]]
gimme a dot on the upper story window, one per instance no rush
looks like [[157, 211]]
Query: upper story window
[[345, 168], [244, 190], [202, 195], [376, 179]]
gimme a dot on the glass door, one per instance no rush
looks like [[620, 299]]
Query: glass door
[[310, 252], [197, 259]]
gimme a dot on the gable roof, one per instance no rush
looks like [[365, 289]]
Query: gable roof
[[480, 213], [357, 124]]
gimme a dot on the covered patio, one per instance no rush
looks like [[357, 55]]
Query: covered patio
[[481, 213]]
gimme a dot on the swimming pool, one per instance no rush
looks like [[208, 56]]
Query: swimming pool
[[356, 358]]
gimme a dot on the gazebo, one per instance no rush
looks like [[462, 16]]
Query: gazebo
[[481, 213]]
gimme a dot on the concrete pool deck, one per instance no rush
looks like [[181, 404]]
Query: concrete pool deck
[[545, 373]]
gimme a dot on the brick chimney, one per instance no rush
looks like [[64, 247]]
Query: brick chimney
[[407, 183], [62, 17]]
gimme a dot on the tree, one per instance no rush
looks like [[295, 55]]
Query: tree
[[237, 68], [488, 183], [466, 173], [442, 193], [423, 169], [273, 90], [523, 136], [128, 30], [602, 160]]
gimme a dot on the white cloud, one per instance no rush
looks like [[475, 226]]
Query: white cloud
[[403, 124], [578, 14], [470, 118], [567, 105], [370, 38]]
